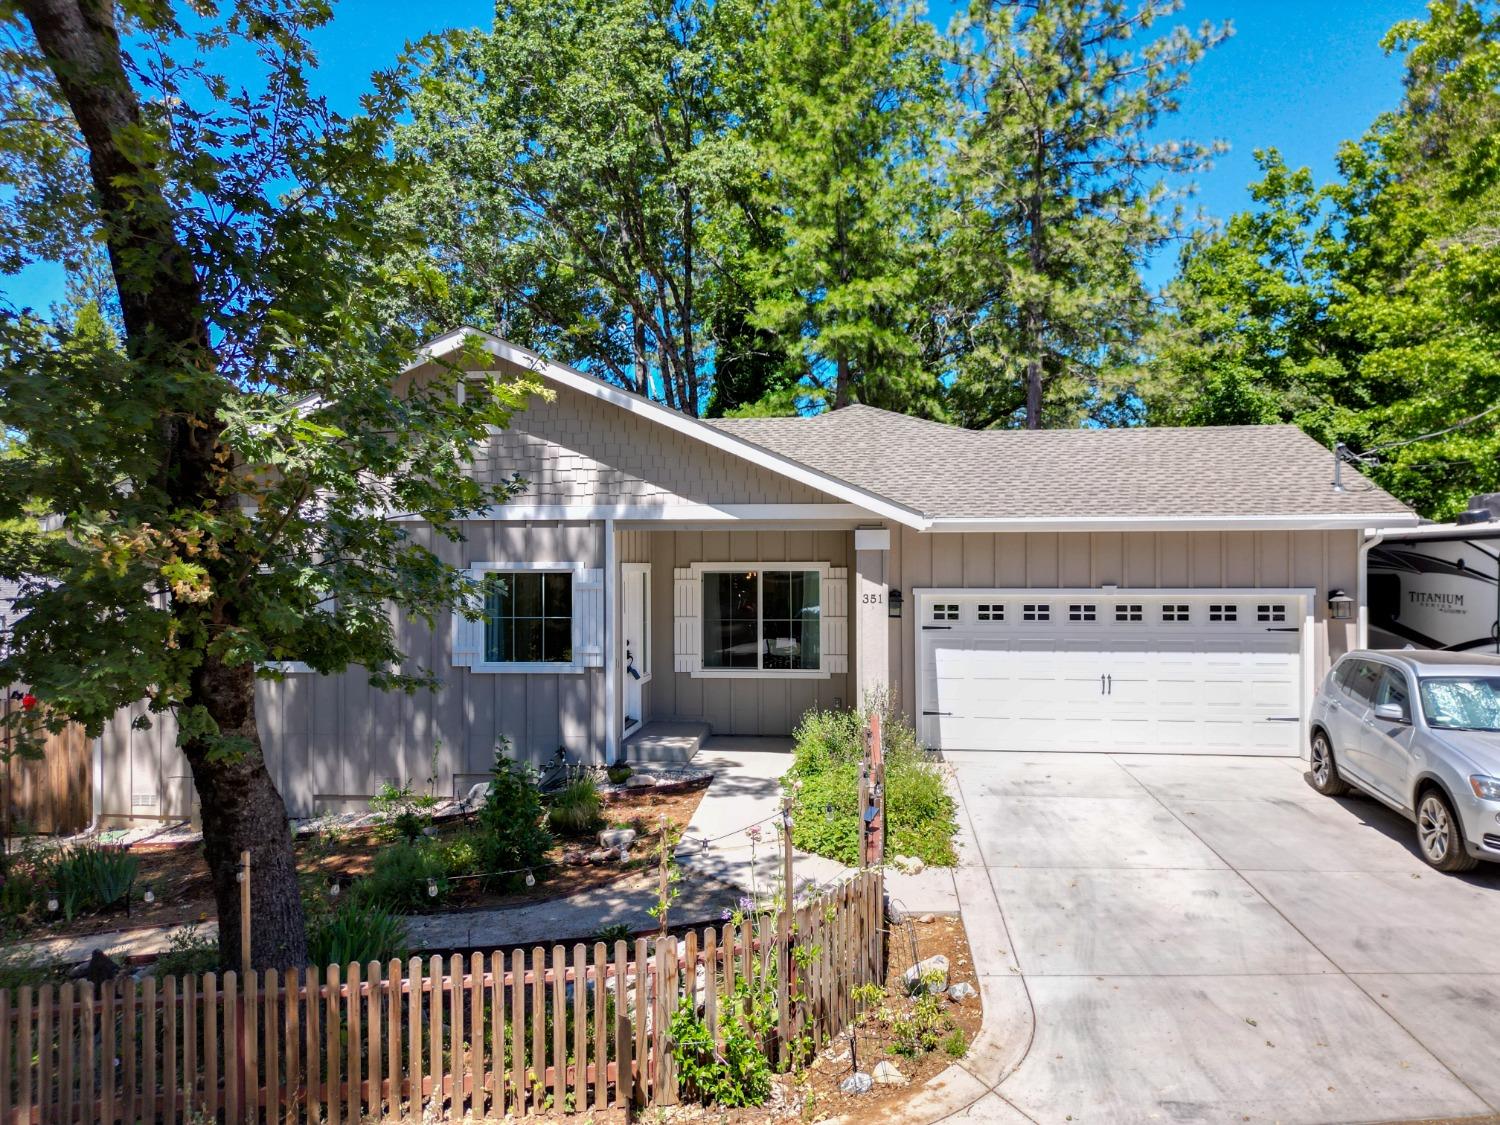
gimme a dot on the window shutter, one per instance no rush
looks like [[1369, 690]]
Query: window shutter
[[688, 638], [836, 620], [468, 636], [588, 618]]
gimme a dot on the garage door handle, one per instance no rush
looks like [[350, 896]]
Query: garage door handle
[[1101, 683], [1283, 628], [1283, 718], [937, 626], [949, 713]]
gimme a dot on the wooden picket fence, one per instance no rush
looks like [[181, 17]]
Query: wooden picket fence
[[553, 1031]]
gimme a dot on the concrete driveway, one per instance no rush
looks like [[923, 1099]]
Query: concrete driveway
[[1207, 939]]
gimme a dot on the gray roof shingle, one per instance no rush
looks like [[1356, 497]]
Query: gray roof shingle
[[943, 471]]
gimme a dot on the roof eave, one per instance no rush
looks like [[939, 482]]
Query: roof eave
[[1276, 522], [459, 339]]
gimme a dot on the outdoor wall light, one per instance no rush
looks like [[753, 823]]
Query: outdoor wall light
[[1340, 605], [893, 602]]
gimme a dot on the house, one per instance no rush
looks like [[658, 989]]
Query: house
[[661, 577]]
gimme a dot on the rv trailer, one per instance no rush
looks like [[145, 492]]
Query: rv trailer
[[1438, 585]]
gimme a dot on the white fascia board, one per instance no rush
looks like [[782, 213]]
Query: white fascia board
[[452, 342], [833, 514], [1329, 522], [1489, 530]]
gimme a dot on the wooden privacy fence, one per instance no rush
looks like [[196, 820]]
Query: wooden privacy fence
[[565, 1030], [52, 794]]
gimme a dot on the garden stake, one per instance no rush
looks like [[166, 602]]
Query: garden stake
[[245, 911]]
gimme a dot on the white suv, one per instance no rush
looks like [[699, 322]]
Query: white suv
[[1419, 731]]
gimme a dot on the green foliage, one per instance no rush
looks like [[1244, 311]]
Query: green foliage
[[402, 877], [462, 853], [615, 931], [737, 1075], [1365, 310], [956, 1043], [511, 819], [18, 968], [824, 786], [1057, 197], [919, 1026], [358, 930], [188, 953], [619, 773], [576, 809], [89, 877], [406, 813]]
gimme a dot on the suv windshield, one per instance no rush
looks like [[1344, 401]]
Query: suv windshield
[[1461, 702]]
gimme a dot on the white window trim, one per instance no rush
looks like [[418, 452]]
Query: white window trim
[[821, 672], [579, 573]]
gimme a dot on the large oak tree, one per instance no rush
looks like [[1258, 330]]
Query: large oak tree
[[222, 482]]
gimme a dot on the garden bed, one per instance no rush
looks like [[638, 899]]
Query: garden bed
[[178, 876]]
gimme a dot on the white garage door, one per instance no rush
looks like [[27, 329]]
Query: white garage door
[[1215, 672]]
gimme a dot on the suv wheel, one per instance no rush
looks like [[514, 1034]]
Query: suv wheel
[[1439, 835], [1325, 771]]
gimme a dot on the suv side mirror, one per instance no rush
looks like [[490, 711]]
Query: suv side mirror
[[1391, 713]]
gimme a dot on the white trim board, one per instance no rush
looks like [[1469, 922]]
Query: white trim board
[[662, 513], [1327, 522]]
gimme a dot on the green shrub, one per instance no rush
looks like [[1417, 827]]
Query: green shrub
[[956, 1045], [462, 853], [511, 819], [18, 969], [356, 930], [405, 814], [619, 773], [829, 747], [576, 809], [736, 1075], [89, 877], [920, 1027], [189, 953], [615, 931], [402, 878]]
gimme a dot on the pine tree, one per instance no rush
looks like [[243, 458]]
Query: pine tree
[[1058, 199]]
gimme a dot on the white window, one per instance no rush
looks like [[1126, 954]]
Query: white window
[[1176, 611], [1037, 611], [1222, 613], [1128, 613], [532, 617], [990, 611], [766, 620], [1270, 612], [1083, 612], [945, 611]]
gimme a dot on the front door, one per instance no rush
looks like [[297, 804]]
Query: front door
[[635, 639]]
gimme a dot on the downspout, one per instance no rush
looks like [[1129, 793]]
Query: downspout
[[611, 718], [98, 787], [1362, 632]]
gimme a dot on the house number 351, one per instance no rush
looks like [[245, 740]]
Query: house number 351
[[872, 599]]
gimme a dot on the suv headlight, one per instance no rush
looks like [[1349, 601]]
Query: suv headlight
[[1486, 788]]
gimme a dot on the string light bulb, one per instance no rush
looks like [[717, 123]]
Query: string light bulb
[[52, 903], [530, 879], [333, 889], [432, 888], [149, 896]]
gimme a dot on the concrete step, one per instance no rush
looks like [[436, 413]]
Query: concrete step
[[669, 742]]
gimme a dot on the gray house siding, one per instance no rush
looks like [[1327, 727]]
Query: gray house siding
[[1321, 560], [737, 706]]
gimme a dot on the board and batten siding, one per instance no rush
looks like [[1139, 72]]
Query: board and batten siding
[[1320, 560], [330, 741], [752, 705]]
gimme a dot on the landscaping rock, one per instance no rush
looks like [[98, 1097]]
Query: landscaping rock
[[603, 855], [962, 991], [857, 1083], [478, 794], [908, 865], [927, 919], [916, 978], [640, 781], [617, 838], [887, 1074]]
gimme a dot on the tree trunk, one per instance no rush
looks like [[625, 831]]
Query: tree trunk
[[242, 811], [162, 307], [1033, 346]]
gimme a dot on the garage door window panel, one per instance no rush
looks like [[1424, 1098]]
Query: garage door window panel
[[1036, 612], [1176, 613]]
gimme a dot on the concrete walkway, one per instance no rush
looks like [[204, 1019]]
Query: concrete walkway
[[1179, 938], [746, 791]]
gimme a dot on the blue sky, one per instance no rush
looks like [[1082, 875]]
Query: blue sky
[[1299, 75]]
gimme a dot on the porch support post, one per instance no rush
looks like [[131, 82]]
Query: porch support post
[[872, 645], [611, 657]]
